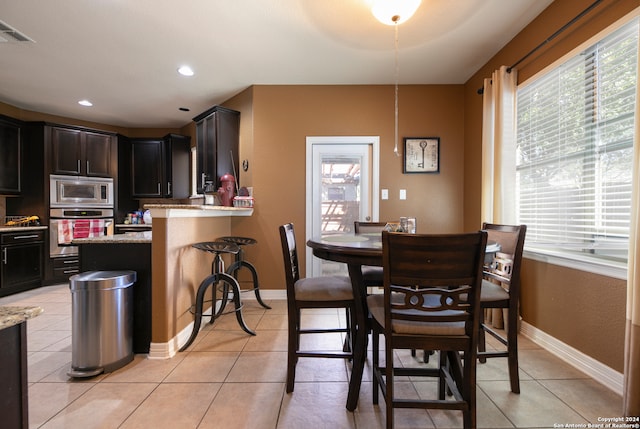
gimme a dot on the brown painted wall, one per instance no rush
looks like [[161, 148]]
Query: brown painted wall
[[283, 116], [584, 310]]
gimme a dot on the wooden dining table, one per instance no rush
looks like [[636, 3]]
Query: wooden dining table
[[356, 250]]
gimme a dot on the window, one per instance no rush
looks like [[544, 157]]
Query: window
[[575, 131]]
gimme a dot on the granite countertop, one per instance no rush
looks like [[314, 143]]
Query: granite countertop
[[129, 237], [11, 316], [22, 228], [195, 207]]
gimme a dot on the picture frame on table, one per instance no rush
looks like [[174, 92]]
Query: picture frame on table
[[421, 155]]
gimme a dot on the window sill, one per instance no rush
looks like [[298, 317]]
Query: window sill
[[616, 270]]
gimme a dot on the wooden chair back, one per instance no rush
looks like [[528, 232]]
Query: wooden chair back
[[433, 279]]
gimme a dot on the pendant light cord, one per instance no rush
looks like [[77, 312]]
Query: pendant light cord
[[397, 74]]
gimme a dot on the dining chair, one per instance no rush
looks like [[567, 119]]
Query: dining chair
[[501, 290], [431, 301], [371, 276], [310, 293]]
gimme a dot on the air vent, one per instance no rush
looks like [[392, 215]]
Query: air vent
[[10, 34]]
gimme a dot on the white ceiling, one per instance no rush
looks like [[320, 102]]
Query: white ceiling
[[123, 54]]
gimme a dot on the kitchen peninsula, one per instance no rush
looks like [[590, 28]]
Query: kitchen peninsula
[[176, 268]]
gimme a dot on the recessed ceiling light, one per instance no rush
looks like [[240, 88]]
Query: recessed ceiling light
[[86, 103], [185, 71]]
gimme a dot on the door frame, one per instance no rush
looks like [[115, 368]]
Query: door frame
[[374, 142]]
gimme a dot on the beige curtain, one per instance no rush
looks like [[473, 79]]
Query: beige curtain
[[631, 394], [498, 155]]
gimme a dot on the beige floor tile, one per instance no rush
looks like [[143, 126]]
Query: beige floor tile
[[273, 321], [278, 306], [245, 405], [203, 367], [105, 405], [588, 397], [174, 405], [47, 399], [145, 370], [259, 367], [497, 369], [41, 364], [542, 365], [526, 409], [316, 405], [43, 340], [321, 370], [368, 415], [221, 341], [268, 341], [230, 322]]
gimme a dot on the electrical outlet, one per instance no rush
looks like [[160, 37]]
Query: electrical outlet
[[385, 194], [403, 194]]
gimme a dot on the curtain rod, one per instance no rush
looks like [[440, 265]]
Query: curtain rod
[[550, 38]]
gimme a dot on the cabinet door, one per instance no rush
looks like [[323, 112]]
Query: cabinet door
[[146, 168], [177, 177], [97, 151], [206, 151], [228, 135], [66, 151], [10, 157], [21, 265]]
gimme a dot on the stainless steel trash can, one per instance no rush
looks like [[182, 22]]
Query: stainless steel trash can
[[101, 321]]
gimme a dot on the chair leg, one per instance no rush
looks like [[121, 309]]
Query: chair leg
[[208, 281], [389, 387], [236, 300], [512, 349], [375, 343], [235, 267], [292, 349], [482, 345]]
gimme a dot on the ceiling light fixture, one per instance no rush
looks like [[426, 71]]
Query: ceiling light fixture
[[395, 12], [185, 71], [85, 103]]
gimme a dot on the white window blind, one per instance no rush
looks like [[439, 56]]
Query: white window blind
[[575, 129]]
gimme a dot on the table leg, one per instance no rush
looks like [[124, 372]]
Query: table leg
[[362, 330]]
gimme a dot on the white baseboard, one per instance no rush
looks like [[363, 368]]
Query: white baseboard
[[605, 375]]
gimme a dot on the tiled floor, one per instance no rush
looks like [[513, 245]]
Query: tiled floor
[[229, 379]]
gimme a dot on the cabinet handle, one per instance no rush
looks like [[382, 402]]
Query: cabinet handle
[[74, 261], [203, 180], [169, 188], [159, 192], [4, 256], [23, 237], [70, 271], [87, 167], [79, 166]]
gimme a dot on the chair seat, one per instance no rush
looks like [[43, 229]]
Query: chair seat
[[240, 241], [327, 288], [492, 292], [376, 308]]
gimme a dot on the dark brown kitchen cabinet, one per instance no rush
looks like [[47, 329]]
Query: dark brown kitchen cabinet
[[10, 156], [22, 265], [217, 145], [81, 152], [160, 167]]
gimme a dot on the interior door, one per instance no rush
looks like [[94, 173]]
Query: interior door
[[342, 185]]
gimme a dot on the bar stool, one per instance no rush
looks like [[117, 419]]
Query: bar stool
[[217, 275], [239, 263]]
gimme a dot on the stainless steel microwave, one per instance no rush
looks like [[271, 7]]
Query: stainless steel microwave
[[80, 192]]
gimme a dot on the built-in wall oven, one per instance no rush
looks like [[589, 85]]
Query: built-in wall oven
[[79, 207]]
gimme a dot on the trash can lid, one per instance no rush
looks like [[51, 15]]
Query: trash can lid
[[102, 280]]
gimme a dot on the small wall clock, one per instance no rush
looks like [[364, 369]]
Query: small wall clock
[[421, 155]]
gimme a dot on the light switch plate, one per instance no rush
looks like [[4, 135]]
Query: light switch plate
[[384, 194], [403, 194]]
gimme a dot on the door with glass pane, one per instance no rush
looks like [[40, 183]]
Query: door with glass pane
[[341, 182]]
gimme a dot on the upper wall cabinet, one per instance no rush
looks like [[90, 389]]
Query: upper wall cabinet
[[217, 145], [160, 167], [10, 155], [81, 152]]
